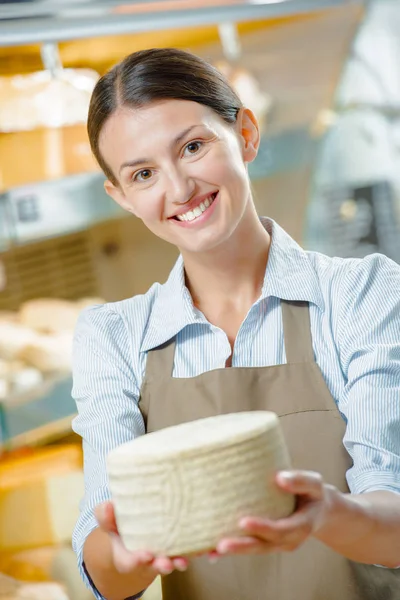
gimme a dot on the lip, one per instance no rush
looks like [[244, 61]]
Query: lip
[[203, 217], [194, 203]]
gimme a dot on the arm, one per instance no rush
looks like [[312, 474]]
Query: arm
[[364, 528], [364, 525], [369, 347], [121, 574], [100, 566], [106, 395]]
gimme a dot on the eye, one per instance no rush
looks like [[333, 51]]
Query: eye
[[193, 147], [143, 175]]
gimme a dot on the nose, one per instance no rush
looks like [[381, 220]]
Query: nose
[[180, 186]]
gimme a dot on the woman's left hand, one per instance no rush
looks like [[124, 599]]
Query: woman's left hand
[[261, 536]]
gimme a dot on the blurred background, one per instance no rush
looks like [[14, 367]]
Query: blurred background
[[323, 77]]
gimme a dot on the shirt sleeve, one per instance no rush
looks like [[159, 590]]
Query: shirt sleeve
[[369, 348], [106, 395]]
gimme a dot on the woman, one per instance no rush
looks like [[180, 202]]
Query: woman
[[319, 337]]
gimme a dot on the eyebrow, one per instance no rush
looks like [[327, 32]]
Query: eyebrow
[[175, 142]]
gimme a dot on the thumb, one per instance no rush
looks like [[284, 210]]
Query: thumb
[[301, 483], [125, 561], [105, 516]]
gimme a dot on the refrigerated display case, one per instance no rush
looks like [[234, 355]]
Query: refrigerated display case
[[60, 235], [355, 202]]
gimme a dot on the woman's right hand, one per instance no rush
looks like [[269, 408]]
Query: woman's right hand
[[142, 561]]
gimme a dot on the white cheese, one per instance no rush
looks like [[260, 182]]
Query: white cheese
[[181, 489]]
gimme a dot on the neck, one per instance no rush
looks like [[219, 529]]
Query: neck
[[233, 273]]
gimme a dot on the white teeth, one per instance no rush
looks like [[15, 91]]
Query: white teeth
[[196, 212]]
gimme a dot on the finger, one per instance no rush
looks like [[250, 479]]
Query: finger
[[124, 560], [271, 531], [163, 565], [301, 483], [213, 557], [180, 563], [105, 517], [244, 545], [255, 546]]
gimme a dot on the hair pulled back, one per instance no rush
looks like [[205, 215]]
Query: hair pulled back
[[157, 74]]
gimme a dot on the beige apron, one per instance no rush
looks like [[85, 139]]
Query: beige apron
[[314, 431]]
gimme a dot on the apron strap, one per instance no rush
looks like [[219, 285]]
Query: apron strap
[[297, 332], [160, 360]]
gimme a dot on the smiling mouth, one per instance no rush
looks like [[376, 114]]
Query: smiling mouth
[[191, 215]]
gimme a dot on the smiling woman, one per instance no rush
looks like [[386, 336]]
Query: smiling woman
[[308, 337], [174, 146]]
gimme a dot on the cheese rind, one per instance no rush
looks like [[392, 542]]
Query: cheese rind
[[180, 490]]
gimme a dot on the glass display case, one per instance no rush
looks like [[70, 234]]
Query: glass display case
[[354, 207], [61, 236]]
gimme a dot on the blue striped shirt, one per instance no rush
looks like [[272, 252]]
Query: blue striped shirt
[[355, 325]]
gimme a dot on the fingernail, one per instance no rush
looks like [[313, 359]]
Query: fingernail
[[222, 548], [287, 475], [165, 570], [100, 512], [181, 567], [146, 556]]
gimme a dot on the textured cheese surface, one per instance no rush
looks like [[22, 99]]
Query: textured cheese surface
[[200, 435], [181, 489]]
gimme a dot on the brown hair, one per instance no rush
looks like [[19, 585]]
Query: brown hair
[[158, 74]]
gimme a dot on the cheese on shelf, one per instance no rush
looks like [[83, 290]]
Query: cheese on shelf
[[11, 589], [49, 315], [181, 489], [39, 497]]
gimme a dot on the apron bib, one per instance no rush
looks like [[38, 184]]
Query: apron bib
[[314, 431]]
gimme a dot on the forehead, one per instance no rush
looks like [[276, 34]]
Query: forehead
[[137, 129]]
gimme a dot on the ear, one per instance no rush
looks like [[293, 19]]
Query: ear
[[116, 193], [249, 132]]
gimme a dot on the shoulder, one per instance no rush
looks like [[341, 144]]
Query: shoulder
[[346, 278], [117, 323], [362, 299]]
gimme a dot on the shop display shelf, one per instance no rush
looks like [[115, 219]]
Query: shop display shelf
[[37, 416], [39, 22]]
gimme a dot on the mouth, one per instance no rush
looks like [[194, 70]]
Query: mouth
[[198, 211]]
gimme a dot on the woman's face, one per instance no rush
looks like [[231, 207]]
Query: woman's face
[[181, 169]]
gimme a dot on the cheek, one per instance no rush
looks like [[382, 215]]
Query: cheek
[[225, 166], [146, 204]]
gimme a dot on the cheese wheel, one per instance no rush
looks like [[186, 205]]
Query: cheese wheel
[[180, 490], [49, 315], [49, 353], [13, 338]]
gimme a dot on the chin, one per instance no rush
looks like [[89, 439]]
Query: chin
[[203, 244]]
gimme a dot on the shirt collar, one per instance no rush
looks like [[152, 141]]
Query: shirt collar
[[289, 275], [172, 310]]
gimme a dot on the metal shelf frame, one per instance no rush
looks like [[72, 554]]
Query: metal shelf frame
[[40, 22]]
